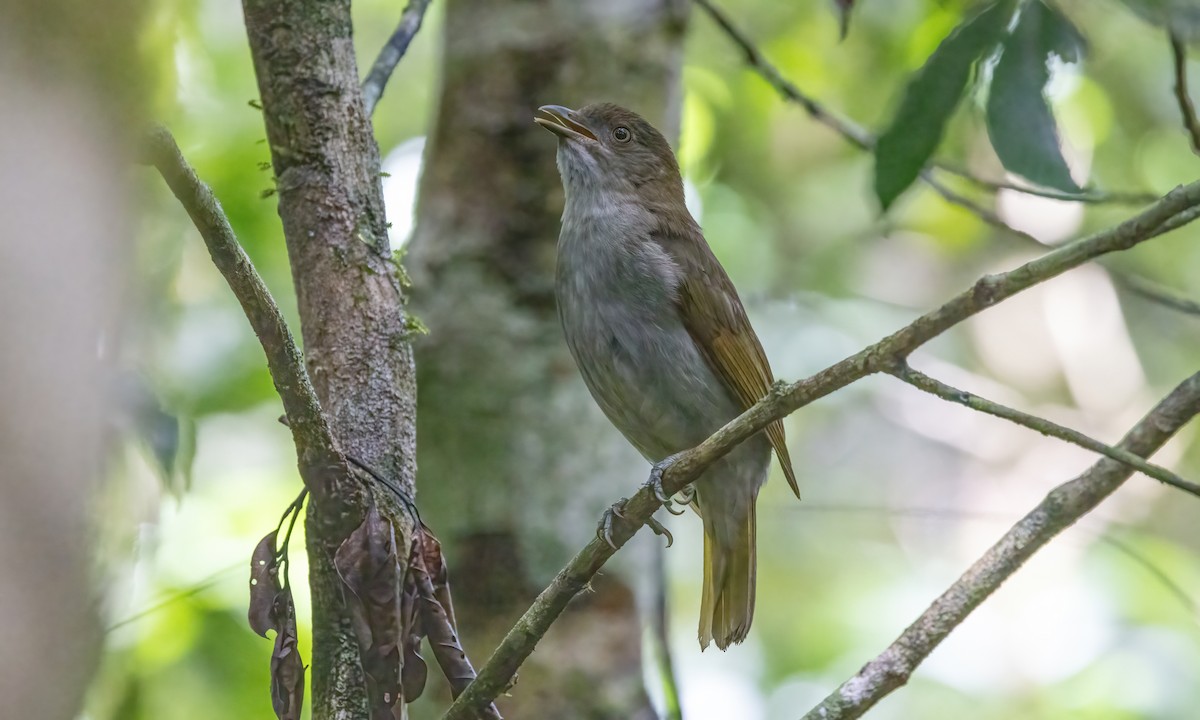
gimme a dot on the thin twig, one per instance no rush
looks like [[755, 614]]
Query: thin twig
[[1155, 292], [1088, 196], [787, 398], [1061, 508], [864, 140], [925, 383], [1173, 588], [322, 466], [391, 53], [1191, 124]]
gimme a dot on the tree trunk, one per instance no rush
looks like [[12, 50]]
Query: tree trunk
[[516, 461], [353, 321], [71, 90]]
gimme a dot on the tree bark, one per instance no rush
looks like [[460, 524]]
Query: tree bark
[[353, 321], [517, 462]]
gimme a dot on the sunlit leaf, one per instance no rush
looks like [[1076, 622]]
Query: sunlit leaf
[[930, 99], [1019, 120]]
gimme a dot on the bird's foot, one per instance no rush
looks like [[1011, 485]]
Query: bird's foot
[[683, 497], [605, 530]]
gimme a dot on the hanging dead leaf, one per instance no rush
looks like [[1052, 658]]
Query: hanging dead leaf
[[435, 619], [287, 667], [368, 565], [264, 586]]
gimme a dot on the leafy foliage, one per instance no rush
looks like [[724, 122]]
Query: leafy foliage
[[1019, 121]]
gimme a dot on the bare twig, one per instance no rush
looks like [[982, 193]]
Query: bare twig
[[322, 465], [787, 398], [1089, 197], [923, 382], [391, 53], [1170, 584], [1061, 508], [1191, 124], [864, 140], [1156, 293]]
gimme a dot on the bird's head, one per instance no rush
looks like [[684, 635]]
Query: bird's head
[[604, 147]]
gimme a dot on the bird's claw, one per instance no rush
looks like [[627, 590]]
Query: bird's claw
[[684, 496], [605, 528]]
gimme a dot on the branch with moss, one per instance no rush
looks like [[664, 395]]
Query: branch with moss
[[322, 466], [923, 382], [784, 399], [1060, 509]]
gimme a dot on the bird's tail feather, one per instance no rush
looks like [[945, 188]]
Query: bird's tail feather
[[727, 601]]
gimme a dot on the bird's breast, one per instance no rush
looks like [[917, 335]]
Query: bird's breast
[[616, 296]]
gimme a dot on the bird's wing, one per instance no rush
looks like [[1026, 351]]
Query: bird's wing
[[713, 314]]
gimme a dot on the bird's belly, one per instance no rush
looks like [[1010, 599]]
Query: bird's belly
[[644, 370]]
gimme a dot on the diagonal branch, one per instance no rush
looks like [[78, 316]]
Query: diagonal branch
[[784, 399], [1191, 124], [322, 465], [864, 140], [391, 53], [1088, 197], [923, 382], [1155, 292], [1061, 508]]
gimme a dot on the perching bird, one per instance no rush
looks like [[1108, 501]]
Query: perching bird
[[660, 336]]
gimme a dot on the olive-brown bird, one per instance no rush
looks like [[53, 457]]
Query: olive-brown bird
[[660, 336]]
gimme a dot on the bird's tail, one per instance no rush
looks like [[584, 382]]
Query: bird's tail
[[727, 602]]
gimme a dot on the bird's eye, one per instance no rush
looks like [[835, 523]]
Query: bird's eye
[[622, 135]]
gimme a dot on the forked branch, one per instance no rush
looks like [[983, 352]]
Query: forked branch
[[322, 465], [1058, 511]]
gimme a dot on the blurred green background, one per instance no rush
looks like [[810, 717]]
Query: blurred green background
[[901, 491]]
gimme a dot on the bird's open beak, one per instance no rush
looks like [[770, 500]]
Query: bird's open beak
[[560, 121]]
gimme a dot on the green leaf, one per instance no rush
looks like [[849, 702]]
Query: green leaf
[[932, 94], [1019, 120]]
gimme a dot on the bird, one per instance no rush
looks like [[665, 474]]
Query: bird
[[661, 337]]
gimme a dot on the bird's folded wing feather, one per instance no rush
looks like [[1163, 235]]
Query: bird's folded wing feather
[[713, 314]]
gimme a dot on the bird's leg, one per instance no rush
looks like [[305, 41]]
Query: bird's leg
[[604, 529], [684, 496]]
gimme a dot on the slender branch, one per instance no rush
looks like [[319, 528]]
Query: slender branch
[[391, 53], [787, 398], [1061, 508], [322, 466], [1088, 197], [1191, 124], [1168, 583], [979, 211], [864, 140], [923, 382], [1155, 292]]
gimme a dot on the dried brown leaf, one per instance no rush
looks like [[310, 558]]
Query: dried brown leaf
[[264, 586], [434, 619], [368, 565], [287, 667], [435, 566]]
